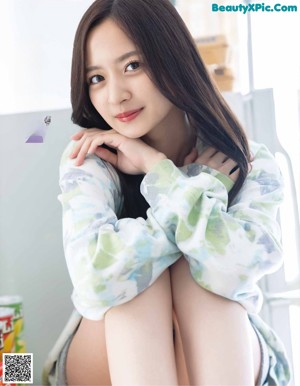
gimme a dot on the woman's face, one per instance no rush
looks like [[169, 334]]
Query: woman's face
[[120, 88]]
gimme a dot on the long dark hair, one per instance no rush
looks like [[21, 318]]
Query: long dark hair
[[175, 67]]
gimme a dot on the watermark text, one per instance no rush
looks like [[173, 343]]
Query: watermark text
[[254, 7]]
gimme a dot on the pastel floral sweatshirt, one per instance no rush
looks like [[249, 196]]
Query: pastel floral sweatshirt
[[111, 260]]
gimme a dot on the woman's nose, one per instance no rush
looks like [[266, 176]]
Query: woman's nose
[[118, 91]]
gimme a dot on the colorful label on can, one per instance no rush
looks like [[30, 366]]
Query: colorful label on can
[[6, 319], [1, 340], [15, 302]]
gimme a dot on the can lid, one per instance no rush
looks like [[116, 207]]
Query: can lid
[[10, 299], [6, 311]]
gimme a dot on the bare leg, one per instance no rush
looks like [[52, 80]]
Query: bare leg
[[139, 338], [182, 373], [87, 362], [219, 343]]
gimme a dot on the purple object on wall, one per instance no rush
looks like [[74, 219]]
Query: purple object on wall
[[35, 139], [39, 135]]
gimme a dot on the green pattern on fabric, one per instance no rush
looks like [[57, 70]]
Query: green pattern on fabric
[[111, 261]]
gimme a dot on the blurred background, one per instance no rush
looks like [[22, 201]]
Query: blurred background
[[254, 58]]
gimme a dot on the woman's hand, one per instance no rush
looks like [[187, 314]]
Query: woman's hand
[[133, 156], [216, 160]]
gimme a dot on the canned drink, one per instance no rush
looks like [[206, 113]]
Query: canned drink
[[15, 302], [7, 319], [1, 341]]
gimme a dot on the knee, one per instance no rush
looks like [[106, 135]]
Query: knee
[[189, 295], [156, 296]]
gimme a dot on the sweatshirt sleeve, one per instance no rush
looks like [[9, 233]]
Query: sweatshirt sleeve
[[110, 261], [228, 249]]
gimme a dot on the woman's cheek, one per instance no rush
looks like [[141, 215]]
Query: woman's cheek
[[97, 101]]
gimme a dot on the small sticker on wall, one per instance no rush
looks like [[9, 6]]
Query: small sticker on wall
[[39, 135]]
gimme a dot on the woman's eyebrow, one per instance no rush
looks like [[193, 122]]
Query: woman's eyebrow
[[118, 60]]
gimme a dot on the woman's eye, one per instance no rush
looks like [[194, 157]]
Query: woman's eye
[[133, 66], [95, 79]]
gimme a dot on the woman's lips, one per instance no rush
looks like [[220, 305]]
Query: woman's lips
[[128, 115]]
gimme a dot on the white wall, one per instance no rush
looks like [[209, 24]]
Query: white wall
[[36, 39], [36, 53], [32, 262]]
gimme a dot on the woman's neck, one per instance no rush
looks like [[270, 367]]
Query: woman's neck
[[175, 138]]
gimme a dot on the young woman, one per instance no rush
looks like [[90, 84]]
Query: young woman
[[169, 219]]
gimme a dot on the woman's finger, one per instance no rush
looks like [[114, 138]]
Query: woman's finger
[[76, 150], [206, 155], [110, 138], [234, 174], [191, 157], [107, 155], [217, 160], [89, 143], [227, 166], [83, 151], [87, 136], [212, 158], [78, 135], [79, 145], [88, 132]]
